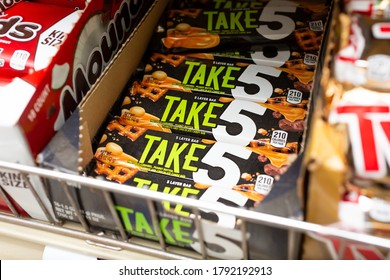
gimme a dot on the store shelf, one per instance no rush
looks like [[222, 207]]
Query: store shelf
[[13, 248], [19, 241], [74, 237]]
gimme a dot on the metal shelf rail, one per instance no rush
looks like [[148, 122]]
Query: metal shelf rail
[[160, 249]]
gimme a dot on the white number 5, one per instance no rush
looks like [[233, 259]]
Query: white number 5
[[269, 14]]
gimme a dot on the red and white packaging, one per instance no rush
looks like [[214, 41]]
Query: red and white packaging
[[67, 54], [5, 206], [28, 43], [365, 60]]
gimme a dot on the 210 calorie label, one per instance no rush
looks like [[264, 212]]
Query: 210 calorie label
[[294, 96], [310, 59], [264, 184], [279, 138]]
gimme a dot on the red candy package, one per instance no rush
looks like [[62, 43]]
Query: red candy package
[[364, 61], [30, 36]]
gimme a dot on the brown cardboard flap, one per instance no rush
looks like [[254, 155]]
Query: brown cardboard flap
[[95, 107]]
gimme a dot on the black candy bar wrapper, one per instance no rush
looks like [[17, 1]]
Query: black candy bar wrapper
[[224, 76], [125, 150], [222, 232], [170, 169], [217, 118], [216, 29]]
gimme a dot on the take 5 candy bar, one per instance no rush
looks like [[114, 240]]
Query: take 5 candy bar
[[224, 76], [232, 28], [124, 150], [216, 117], [364, 115], [185, 166], [174, 220]]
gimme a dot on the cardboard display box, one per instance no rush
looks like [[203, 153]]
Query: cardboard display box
[[223, 231], [33, 107]]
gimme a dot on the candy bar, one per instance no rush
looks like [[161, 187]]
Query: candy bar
[[176, 220], [186, 166], [194, 29], [226, 77], [366, 58], [126, 149], [216, 118], [365, 116]]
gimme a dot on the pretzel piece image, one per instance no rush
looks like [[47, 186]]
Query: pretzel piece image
[[307, 39], [152, 92], [119, 174], [130, 131], [173, 59], [114, 163]]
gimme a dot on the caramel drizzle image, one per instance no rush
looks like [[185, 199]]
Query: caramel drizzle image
[[277, 156], [292, 112], [132, 132], [299, 69], [137, 116], [186, 36]]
